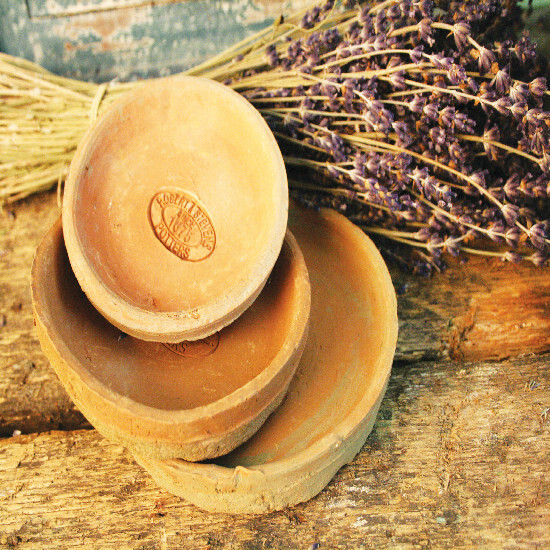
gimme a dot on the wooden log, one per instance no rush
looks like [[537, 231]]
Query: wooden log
[[458, 459], [478, 310]]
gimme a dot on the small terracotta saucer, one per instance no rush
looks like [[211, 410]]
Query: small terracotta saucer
[[175, 209], [195, 399], [332, 401]]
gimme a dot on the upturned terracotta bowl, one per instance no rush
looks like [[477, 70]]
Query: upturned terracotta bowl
[[332, 401], [195, 399], [175, 209]]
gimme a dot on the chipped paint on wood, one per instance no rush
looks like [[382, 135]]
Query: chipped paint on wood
[[104, 39]]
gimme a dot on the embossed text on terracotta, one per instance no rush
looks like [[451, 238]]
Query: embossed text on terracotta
[[181, 224], [196, 348]]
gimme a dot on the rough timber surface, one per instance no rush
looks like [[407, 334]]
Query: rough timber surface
[[458, 457]]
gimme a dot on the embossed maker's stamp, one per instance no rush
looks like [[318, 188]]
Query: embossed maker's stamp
[[181, 224], [196, 348]]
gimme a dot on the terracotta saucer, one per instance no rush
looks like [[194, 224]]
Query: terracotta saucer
[[196, 399], [175, 209], [332, 401]]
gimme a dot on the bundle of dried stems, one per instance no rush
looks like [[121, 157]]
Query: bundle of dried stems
[[422, 121]]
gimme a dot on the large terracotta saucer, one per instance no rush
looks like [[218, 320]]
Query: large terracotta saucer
[[195, 399], [332, 402]]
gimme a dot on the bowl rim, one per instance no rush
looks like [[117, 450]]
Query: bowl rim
[[171, 326], [292, 344], [327, 453]]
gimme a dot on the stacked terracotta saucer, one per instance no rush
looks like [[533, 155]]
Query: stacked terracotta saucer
[[174, 298]]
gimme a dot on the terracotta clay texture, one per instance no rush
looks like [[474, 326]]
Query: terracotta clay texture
[[196, 399], [332, 401], [175, 209]]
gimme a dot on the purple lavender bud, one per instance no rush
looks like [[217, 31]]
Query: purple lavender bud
[[539, 258], [431, 110], [334, 105], [452, 246], [380, 22], [496, 231], [511, 187], [545, 165], [425, 31], [525, 49], [519, 92], [510, 212], [439, 61], [380, 43], [398, 80], [393, 13], [542, 183], [473, 85], [416, 104], [430, 185], [329, 90], [373, 164], [456, 74], [461, 32], [357, 178], [539, 141], [307, 21], [512, 257], [404, 6], [423, 234], [438, 136], [519, 110], [456, 151], [433, 243], [416, 54], [485, 60], [394, 62], [402, 130], [364, 16], [538, 87], [359, 161], [465, 219], [501, 81], [447, 116], [463, 123], [487, 98], [502, 49], [479, 178], [538, 234], [512, 236], [491, 134], [533, 117], [502, 105], [426, 7]]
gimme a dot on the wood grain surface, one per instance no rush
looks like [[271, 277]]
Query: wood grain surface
[[458, 457]]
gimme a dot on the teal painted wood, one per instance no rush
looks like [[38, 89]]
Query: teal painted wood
[[101, 40]]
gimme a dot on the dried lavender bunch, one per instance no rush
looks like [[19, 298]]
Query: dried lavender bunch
[[425, 122], [420, 126]]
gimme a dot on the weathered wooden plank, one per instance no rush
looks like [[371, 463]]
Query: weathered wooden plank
[[458, 459], [102, 40], [31, 397], [478, 310]]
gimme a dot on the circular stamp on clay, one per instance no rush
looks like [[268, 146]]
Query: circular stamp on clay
[[182, 224], [196, 348]]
